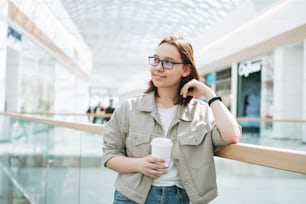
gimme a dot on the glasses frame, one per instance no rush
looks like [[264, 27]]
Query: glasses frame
[[162, 62]]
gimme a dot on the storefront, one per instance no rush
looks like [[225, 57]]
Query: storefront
[[220, 81], [255, 91]]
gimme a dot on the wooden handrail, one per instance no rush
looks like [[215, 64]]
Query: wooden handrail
[[100, 114], [284, 159], [87, 127], [108, 115], [269, 120]]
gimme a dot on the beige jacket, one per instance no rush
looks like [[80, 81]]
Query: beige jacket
[[194, 136]]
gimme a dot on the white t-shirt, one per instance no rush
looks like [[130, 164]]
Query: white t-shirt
[[171, 178]]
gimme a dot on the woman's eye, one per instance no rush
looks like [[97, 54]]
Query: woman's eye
[[167, 62]]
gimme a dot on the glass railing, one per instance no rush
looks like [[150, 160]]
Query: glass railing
[[9, 191], [288, 134], [53, 164], [240, 182], [57, 162]]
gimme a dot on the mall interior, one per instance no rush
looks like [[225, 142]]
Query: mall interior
[[63, 61]]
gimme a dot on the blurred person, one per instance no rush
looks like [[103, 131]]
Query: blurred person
[[169, 108], [89, 112], [246, 102], [97, 109], [109, 109]]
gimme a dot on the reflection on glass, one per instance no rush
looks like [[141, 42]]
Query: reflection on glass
[[279, 133]]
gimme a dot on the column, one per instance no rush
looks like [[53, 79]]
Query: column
[[4, 121], [304, 93], [13, 80], [234, 85], [288, 92], [3, 46]]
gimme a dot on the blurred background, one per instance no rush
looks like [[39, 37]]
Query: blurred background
[[64, 62]]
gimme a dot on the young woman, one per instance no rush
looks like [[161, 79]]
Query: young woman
[[169, 108]]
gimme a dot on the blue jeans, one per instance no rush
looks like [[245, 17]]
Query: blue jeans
[[158, 195]]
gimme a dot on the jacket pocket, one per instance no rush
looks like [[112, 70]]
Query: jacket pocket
[[193, 139], [193, 136], [196, 147], [138, 144]]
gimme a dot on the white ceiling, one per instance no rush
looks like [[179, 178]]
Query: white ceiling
[[123, 33]]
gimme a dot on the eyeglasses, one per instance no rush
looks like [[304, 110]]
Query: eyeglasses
[[167, 64]]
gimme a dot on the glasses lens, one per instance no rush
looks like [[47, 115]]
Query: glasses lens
[[153, 61], [167, 64]]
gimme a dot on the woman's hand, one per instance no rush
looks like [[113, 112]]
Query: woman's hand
[[197, 89], [152, 166], [225, 121]]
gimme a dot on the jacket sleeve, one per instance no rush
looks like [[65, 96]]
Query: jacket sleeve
[[114, 134], [217, 139]]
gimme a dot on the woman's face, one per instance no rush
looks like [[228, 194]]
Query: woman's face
[[168, 78]]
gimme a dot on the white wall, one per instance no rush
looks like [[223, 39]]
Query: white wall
[[13, 80], [3, 52], [288, 91], [4, 122], [304, 93], [71, 93], [288, 83]]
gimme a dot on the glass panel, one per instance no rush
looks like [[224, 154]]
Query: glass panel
[[47, 164], [281, 133], [246, 183], [97, 181], [25, 158], [63, 166], [9, 192]]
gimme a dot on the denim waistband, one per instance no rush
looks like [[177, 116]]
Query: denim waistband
[[167, 188], [166, 195]]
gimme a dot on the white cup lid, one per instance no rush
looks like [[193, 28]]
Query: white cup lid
[[161, 141]]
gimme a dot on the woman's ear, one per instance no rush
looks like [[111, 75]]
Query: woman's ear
[[187, 68]]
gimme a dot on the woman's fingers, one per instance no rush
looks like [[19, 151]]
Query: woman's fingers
[[189, 89], [154, 167], [155, 173], [195, 88]]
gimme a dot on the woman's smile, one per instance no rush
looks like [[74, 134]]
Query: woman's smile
[[158, 76]]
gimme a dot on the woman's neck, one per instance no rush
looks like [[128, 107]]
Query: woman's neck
[[165, 99]]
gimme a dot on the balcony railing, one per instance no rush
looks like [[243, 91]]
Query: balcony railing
[[48, 160]]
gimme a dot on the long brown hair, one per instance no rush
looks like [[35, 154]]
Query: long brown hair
[[186, 53]]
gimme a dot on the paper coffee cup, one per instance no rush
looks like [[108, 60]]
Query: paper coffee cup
[[161, 147]]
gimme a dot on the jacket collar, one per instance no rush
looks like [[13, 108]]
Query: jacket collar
[[147, 104]]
